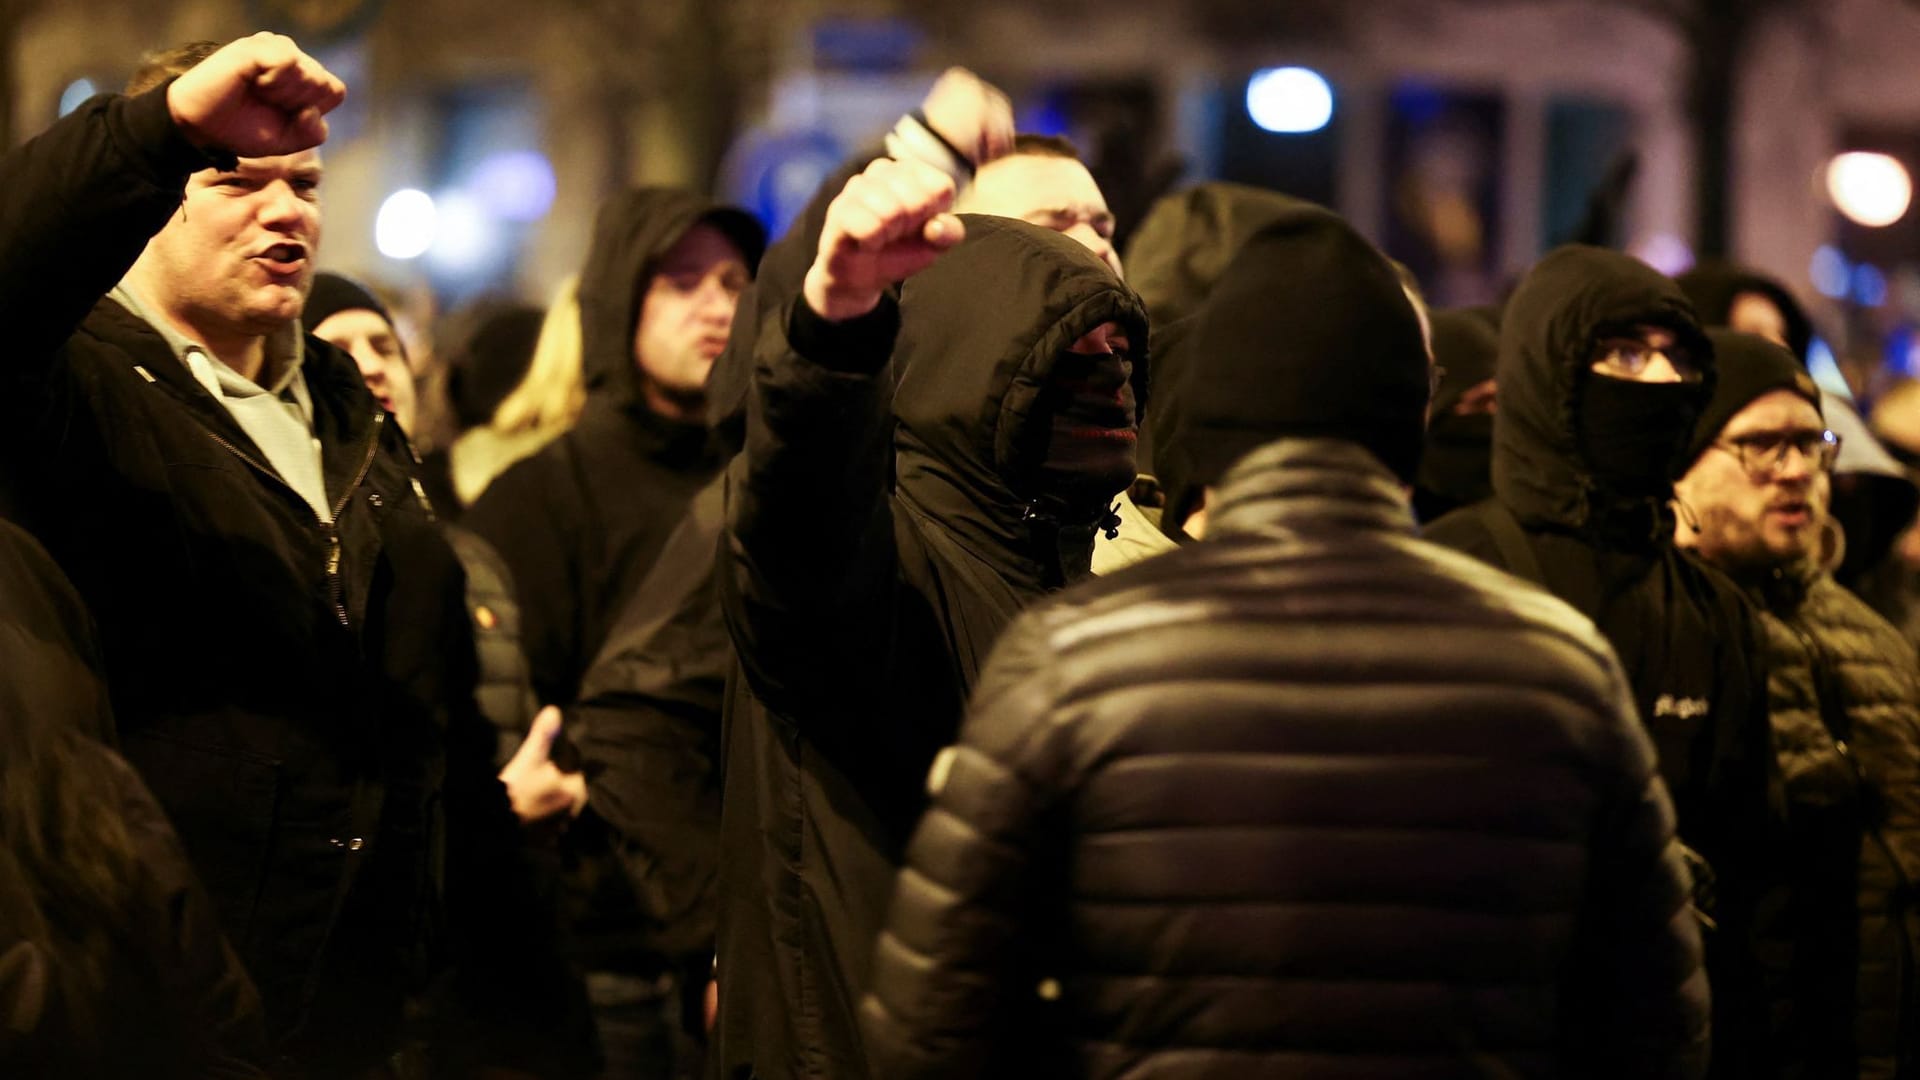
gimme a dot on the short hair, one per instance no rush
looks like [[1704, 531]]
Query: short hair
[[1037, 145], [159, 66]]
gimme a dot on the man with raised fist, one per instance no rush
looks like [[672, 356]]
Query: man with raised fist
[[936, 428], [282, 625]]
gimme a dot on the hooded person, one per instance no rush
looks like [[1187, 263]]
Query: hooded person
[[1874, 499], [1458, 465], [1164, 809], [1601, 374], [580, 522], [1844, 691], [951, 454], [1177, 256]]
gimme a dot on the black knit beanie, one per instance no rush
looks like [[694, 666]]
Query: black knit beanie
[[1308, 333], [332, 294], [1750, 368]]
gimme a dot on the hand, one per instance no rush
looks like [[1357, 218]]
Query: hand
[[257, 97], [888, 224], [538, 788], [971, 114]]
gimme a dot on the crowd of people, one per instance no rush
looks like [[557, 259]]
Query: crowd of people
[[922, 644]]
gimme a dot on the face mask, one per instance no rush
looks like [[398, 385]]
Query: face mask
[[1633, 433], [1088, 405], [1458, 461]]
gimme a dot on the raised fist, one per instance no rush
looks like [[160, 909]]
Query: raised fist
[[888, 224], [970, 114], [257, 97]]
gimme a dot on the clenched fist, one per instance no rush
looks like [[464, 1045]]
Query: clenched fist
[[888, 224], [257, 97]]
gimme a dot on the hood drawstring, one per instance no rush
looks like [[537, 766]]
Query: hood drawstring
[[1110, 522]]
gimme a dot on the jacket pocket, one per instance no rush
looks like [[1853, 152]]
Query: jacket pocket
[[222, 802]]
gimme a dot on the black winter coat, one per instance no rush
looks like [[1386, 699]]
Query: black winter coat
[[580, 522], [298, 695], [1688, 641], [646, 727], [877, 542], [1311, 798]]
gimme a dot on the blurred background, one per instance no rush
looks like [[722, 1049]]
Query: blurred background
[[1466, 136]]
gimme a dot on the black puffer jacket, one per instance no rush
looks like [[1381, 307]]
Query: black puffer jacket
[[1689, 643], [580, 522], [297, 695], [869, 565], [1415, 832]]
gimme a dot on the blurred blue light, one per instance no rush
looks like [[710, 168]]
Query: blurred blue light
[[517, 185], [1826, 370], [1289, 100], [1869, 285], [76, 94], [1419, 103], [1903, 349], [1830, 272]]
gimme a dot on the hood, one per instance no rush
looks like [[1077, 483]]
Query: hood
[[979, 334], [1713, 285], [1546, 336], [631, 232], [1457, 467], [1176, 257]]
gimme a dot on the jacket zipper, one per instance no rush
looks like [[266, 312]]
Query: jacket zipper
[[336, 587]]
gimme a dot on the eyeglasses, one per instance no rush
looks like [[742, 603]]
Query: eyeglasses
[[1764, 454], [1630, 358]]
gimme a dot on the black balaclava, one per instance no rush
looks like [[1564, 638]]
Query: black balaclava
[[1457, 468], [1632, 434], [1577, 450], [1088, 403]]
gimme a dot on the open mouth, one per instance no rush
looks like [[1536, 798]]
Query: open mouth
[[1791, 513], [284, 258]]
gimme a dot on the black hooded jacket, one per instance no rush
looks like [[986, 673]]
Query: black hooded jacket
[[580, 522], [878, 540], [1457, 467], [1688, 641]]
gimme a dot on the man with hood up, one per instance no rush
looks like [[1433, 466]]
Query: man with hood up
[[916, 471], [1601, 373], [1457, 467], [580, 522]]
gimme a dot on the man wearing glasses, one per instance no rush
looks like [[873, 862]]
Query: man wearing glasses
[[1602, 372], [1845, 713]]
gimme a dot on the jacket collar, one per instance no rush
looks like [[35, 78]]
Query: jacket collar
[[1306, 483]]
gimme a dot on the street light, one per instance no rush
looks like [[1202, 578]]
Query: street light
[[1289, 100], [1870, 189]]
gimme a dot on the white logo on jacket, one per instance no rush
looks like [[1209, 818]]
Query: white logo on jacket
[[1686, 708]]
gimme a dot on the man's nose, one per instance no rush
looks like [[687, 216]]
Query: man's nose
[[283, 206]]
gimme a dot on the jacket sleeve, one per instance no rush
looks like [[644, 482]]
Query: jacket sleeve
[[527, 518], [809, 561], [1638, 991], [953, 956], [647, 729], [78, 204]]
